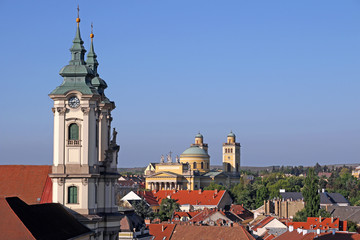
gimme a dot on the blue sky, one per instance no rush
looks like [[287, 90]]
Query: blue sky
[[282, 75]]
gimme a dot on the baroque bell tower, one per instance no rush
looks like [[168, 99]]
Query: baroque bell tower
[[231, 155], [85, 156]]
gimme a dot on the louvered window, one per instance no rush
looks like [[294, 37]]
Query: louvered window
[[72, 194]]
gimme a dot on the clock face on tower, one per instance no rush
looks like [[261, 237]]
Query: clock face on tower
[[74, 102]]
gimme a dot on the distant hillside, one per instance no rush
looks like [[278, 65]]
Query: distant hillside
[[140, 170], [134, 170]]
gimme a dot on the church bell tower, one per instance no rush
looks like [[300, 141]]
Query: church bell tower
[[85, 156], [231, 155]]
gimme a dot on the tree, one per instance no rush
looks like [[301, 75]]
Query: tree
[[311, 194], [261, 194], [214, 186], [167, 207], [317, 168], [143, 209], [352, 227]]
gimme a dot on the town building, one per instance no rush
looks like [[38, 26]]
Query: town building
[[356, 172], [197, 199], [31, 183], [319, 224], [84, 170], [267, 225], [291, 202], [345, 213], [191, 170], [38, 221]]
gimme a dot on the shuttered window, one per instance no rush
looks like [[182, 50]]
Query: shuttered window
[[72, 194], [73, 132]]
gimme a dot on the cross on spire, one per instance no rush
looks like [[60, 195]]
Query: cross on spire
[[78, 10]]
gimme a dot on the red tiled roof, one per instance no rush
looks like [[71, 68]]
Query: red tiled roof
[[324, 224], [161, 230], [11, 227], [186, 232], [29, 182], [149, 197], [262, 223], [185, 214], [267, 236], [242, 212], [294, 235], [201, 216], [196, 197]]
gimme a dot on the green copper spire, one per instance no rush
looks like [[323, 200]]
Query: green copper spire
[[91, 60], [77, 75], [77, 50]]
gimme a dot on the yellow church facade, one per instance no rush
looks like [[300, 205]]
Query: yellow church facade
[[192, 170]]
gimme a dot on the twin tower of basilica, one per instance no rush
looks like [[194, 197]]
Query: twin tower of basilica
[[192, 170]]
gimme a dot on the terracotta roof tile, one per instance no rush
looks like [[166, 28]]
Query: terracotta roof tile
[[11, 227], [242, 212], [149, 197], [324, 224], [323, 236], [186, 232], [196, 197], [262, 223], [29, 182], [201, 216], [161, 230], [185, 214]]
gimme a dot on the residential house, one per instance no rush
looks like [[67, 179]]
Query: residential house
[[132, 226], [263, 225], [197, 199], [186, 232], [38, 221], [161, 231], [128, 183], [147, 196], [31, 183], [292, 202], [319, 224], [183, 216], [304, 235], [345, 213]]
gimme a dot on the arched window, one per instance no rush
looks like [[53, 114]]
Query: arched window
[[73, 132], [202, 165], [237, 167], [72, 194], [194, 165], [225, 150]]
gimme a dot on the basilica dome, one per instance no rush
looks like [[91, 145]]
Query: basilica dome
[[194, 150]]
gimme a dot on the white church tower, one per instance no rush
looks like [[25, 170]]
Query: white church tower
[[85, 156]]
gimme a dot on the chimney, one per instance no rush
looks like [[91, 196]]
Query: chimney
[[291, 228], [200, 191], [216, 191], [162, 227], [332, 219], [319, 219]]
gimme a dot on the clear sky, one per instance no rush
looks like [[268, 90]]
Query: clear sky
[[282, 75]]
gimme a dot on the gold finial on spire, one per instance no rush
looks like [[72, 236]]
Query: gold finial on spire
[[92, 34], [78, 15]]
